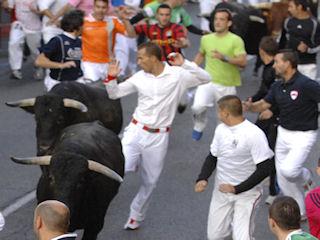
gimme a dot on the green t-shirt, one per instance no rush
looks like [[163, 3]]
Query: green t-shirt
[[231, 45], [300, 235], [178, 14]]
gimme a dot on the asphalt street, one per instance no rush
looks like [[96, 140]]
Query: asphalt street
[[176, 211]]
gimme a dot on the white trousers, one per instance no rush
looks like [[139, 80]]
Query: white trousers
[[16, 43], [292, 150], [206, 96], [145, 152], [310, 70], [231, 213], [94, 71]]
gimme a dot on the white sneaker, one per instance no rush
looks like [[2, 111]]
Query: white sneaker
[[2, 221], [132, 224], [38, 74], [17, 74], [270, 199]]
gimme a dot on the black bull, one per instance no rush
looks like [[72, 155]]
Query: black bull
[[57, 110], [69, 177], [247, 22]]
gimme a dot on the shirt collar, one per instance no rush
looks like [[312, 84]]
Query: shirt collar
[[68, 235], [69, 35], [166, 71], [298, 231], [292, 79]]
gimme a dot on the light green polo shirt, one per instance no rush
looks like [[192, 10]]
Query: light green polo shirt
[[178, 14], [231, 45]]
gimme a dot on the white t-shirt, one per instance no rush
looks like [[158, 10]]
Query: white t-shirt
[[29, 20], [238, 149], [53, 5]]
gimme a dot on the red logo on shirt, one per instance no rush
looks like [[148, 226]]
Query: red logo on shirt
[[294, 94]]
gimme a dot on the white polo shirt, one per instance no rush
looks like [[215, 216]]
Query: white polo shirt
[[238, 149], [159, 96]]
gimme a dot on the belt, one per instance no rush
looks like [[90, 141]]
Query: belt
[[151, 130]]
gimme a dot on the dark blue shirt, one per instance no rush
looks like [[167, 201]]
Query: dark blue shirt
[[71, 51], [297, 101]]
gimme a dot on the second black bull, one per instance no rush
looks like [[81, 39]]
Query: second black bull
[[67, 104]]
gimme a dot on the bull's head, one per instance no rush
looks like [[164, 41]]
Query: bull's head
[[92, 165], [51, 115]]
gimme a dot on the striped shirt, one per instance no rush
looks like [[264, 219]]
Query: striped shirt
[[163, 37], [313, 211]]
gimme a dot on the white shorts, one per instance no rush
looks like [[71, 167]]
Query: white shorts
[[310, 70], [94, 71], [50, 82]]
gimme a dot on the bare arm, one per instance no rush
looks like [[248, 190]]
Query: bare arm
[[44, 62], [239, 61], [199, 58], [124, 16], [61, 12], [258, 106]]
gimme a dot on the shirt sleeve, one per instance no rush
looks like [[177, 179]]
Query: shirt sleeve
[[239, 48], [150, 9], [259, 147], [202, 48], [316, 39], [116, 90], [312, 90], [193, 75], [11, 4], [179, 32], [214, 147], [51, 48], [43, 5], [118, 26]]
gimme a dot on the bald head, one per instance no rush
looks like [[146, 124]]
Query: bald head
[[55, 215]]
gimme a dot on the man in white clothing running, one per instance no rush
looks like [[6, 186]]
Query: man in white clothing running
[[145, 140]]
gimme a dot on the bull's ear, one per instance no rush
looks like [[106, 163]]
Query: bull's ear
[[25, 104]]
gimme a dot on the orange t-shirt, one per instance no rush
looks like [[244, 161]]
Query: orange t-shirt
[[98, 38]]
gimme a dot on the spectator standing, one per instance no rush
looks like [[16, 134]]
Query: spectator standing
[[296, 97], [98, 38], [223, 53], [51, 221], [240, 153], [26, 28], [284, 220], [268, 119], [301, 33], [145, 140], [313, 208], [62, 54], [170, 37]]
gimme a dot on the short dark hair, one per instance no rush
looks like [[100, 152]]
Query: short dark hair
[[232, 104], [291, 56], [165, 6], [152, 49], [269, 45], [106, 1], [225, 10], [285, 212], [72, 21], [304, 3]]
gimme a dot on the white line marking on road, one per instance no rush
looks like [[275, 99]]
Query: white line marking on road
[[19, 203]]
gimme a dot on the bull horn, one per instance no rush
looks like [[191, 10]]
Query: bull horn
[[75, 104], [98, 167], [254, 18], [29, 102], [43, 160]]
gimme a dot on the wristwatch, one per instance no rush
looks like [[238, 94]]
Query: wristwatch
[[225, 58]]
